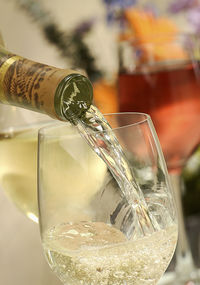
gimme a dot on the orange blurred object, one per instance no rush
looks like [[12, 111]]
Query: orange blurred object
[[157, 35], [146, 27], [105, 97]]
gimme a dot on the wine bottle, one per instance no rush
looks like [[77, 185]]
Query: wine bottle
[[59, 93]]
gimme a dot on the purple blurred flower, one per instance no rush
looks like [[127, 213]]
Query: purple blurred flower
[[194, 18], [115, 9], [179, 5], [120, 3], [85, 26]]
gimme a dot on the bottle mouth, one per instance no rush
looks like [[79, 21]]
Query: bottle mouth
[[73, 97]]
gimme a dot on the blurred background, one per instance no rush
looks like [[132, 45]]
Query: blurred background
[[87, 29]]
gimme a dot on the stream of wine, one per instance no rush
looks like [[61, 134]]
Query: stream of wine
[[99, 135]]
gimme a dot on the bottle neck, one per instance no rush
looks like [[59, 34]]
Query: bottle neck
[[59, 93]]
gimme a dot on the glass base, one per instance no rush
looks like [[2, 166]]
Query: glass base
[[167, 279], [170, 278]]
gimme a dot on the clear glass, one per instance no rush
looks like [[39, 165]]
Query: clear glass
[[88, 226], [161, 76], [18, 152]]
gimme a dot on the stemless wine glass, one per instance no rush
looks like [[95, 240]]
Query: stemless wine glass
[[161, 76], [89, 228]]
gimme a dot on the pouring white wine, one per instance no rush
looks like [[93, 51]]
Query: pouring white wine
[[64, 95], [67, 96], [107, 233]]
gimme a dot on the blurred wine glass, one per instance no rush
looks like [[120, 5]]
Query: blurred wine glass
[[161, 76], [89, 230], [18, 152]]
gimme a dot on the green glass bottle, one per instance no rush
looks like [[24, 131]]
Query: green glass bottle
[[60, 93]]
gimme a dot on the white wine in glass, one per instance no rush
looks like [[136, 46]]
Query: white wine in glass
[[18, 152], [92, 229]]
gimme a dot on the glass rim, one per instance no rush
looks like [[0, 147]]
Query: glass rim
[[58, 124]]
